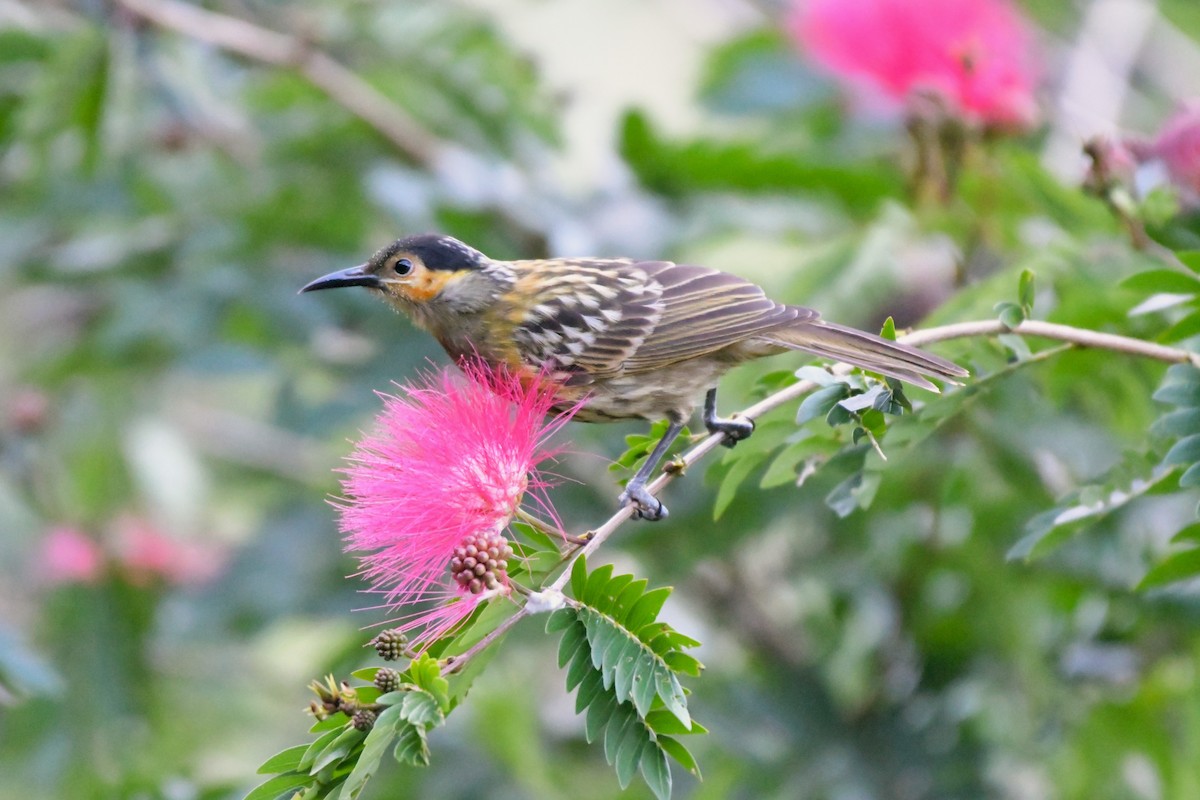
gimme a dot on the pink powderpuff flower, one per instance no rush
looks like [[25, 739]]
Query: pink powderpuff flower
[[68, 555], [437, 482], [147, 554], [1177, 146], [975, 56]]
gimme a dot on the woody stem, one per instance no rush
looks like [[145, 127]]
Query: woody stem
[[1078, 337]]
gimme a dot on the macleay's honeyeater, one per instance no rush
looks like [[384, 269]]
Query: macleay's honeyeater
[[627, 339]]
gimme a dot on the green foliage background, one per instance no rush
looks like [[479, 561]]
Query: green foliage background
[[161, 201]]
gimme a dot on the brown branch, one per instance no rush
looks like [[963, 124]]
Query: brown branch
[[342, 86], [1045, 330], [1063, 333]]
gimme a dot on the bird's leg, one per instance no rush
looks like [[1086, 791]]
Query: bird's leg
[[650, 507], [734, 429]]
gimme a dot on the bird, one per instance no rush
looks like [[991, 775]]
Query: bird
[[620, 338]]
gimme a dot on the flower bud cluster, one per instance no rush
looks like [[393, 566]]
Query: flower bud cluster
[[480, 562]]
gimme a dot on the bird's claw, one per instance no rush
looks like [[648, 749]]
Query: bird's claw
[[646, 505], [735, 429]]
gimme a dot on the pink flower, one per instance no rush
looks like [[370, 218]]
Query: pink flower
[[436, 484], [974, 55], [1178, 147], [148, 554], [68, 555]]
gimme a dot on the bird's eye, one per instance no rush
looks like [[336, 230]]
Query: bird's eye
[[403, 266]]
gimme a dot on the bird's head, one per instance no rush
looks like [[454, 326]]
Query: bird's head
[[422, 275]]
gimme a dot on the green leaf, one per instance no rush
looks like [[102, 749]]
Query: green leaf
[[646, 609], [626, 598], [284, 761], [317, 747], [599, 713], [1178, 567], [818, 375], [412, 746], [662, 721], [330, 723], [580, 665], [338, 749], [1025, 291], [578, 577], [621, 722], [1190, 259], [367, 694], [596, 583], [683, 662], [645, 687], [1011, 315], [426, 673], [378, 740], [1182, 373], [821, 402], [1017, 345], [1177, 424], [1162, 281], [572, 639], [273, 788], [888, 331], [856, 491], [560, 620], [1049, 529], [421, 708], [704, 165], [785, 467], [655, 771], [675, 749], [1179, 394], [624, 669], [1185, 328], [591, 686], [629, 752], [1190, 477], [743, 465], [839, 415], [861, 400], [1185, 451]]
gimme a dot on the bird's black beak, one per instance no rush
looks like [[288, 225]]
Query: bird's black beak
[[355, 276]]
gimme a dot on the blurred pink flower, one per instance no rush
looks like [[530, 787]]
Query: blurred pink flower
[[444, 471], [1177, 145], [148, 554], [68, 555], [974, 55]]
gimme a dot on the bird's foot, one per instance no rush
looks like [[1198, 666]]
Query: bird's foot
[[734, 428], [646, 505]]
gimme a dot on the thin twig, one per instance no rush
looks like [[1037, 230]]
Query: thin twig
[[456, 663], [1046, 330], [548, 528], [1063, 333], [342, 86]]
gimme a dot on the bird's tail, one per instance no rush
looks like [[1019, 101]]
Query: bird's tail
[[868, 351]]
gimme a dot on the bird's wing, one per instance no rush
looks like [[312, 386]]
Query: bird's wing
[[704, 310], [590, 315], [599, 318]]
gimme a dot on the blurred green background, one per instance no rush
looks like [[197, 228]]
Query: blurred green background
[[172, 413]]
